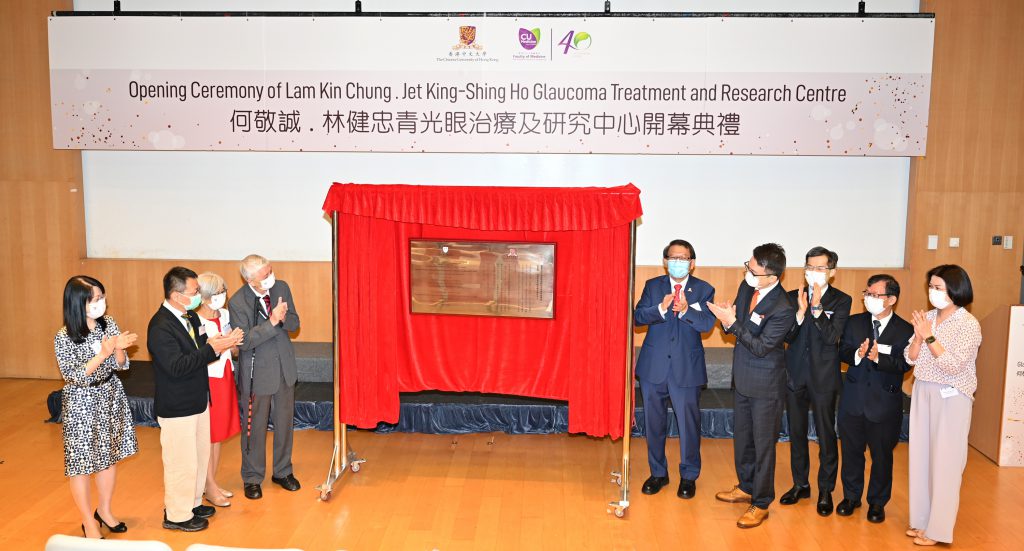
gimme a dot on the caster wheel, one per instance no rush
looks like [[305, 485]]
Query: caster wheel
[[325, 496], [355, 467], [620, 512]]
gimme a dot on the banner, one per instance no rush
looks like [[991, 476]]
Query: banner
[[673, 85]]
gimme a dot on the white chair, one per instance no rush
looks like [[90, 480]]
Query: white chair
[[204, 547], [60, 542]]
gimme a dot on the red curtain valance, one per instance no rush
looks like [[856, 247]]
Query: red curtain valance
[[490, 208]]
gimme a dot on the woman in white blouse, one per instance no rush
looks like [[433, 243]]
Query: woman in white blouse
[[224, 416], [943, 351]]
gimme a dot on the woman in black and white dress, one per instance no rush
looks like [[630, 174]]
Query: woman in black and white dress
[[98, 429]]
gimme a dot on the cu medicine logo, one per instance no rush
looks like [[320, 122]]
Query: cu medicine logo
[[528, 38]]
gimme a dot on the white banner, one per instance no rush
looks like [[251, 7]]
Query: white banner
[[709, 85]]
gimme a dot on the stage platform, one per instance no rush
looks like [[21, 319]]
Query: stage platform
[[435, 412]]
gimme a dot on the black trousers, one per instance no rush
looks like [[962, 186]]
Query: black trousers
[[823, 406], [858, 433], [755, 432]]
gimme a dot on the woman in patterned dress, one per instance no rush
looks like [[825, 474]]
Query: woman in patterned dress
[[98, 429], [943, 351], [224, 412]]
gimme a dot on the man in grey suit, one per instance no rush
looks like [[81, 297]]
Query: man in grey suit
[[759, 375], [264, 310]]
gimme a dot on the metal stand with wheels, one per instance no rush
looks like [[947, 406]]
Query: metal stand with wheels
[[343, 456], [621, 477]]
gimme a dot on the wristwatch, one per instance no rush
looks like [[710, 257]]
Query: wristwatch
[[930, 339]]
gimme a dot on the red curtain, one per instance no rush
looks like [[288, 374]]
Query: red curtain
[[579, 356]]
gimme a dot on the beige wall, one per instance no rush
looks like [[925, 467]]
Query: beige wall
[[968, 186]]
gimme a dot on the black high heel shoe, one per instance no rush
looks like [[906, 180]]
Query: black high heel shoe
[[119, 529], [85, 536]]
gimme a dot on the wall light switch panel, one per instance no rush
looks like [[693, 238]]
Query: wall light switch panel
[[954, 242], [933, 242], [1007, 242]]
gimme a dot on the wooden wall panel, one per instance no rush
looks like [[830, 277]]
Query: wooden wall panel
[[969, 186]]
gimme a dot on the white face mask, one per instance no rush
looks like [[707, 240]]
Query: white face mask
[[217, 301], [875, 305], [938, 298], [812, 277], [268, 282], [96, 309], [751, 279]]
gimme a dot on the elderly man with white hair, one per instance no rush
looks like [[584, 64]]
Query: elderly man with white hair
[[264, 309]]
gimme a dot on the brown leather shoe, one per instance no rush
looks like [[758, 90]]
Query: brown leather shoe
[[753, 517], [735, 495]]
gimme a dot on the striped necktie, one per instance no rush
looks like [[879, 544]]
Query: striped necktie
[[191, 331]]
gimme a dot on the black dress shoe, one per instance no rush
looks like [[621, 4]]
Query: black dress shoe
[[876, 513], [687, 489], [119, 529], [203, 511], [795, 494], [846, 507], [288, 483], [253, 491], [193, 524], [654, 485], [825, 504]]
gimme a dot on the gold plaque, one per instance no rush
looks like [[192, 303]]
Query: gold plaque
[[482, 278]]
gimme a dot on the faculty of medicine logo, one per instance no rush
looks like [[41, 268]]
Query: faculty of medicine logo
[[575, 40], [528, 38], [467, 39]]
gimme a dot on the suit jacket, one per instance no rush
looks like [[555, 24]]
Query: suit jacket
[[759, 358], [812, 358], [179, 365], [873, 389], [272, 345], [673, 349]]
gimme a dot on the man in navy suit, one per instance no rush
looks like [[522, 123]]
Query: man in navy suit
[[671, 364], [871, 407], [760, 319]]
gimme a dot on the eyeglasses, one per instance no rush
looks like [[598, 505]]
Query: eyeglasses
[[867, 293], [680, 258], [747, 266], [819, 269]]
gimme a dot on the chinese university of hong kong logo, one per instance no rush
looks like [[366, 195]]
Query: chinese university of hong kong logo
[[467, 39], [529, 38], [575, 40]]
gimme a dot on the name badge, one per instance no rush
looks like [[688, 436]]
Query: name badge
[[96, 347], [202, 329], [226, 328], [828, 314], [885, 349], [756, 318], [948, 392]]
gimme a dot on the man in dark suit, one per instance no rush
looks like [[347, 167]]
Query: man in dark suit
[[264, 309], [671, 364], [181, 350], [871, 407], [760, 319], [814, 376]]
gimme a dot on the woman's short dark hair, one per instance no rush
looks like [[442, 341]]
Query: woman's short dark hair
[[771, 257], [78, 293], [679, 243], [958, 284]]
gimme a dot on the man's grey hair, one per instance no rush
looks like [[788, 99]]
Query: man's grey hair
[[251, 264]]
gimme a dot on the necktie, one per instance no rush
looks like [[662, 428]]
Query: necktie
[[191, 332], [753, 300], [266, 303], [678, 288], [877, 327]]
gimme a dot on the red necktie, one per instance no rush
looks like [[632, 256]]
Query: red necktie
[[678, 288], [753, 299], [266, 303]]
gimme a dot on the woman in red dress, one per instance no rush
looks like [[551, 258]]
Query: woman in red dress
[[224, 421]]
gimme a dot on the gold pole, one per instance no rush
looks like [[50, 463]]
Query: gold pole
[[622, 477], [340, 432]]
